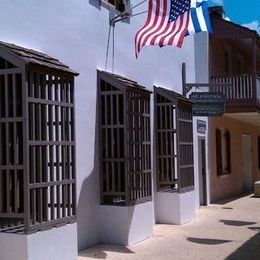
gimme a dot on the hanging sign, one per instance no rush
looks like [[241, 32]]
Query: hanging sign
[[208, 104]]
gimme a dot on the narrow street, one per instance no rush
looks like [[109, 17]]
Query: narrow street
[[227, 230]]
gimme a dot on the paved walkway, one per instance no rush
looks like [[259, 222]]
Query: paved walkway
[[228, 230]]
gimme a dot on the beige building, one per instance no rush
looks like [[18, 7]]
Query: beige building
[[234, 139]]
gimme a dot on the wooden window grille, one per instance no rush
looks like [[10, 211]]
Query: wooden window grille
[[125, 148], [223, 151], [37, 146], [174, 141]]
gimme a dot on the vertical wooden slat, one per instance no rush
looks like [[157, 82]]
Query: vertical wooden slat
[[74, 194], [7, 145], [68, 177], [33, 167], [39, 180], [58, 178], [177, 115], [15, 192], [7, 191], [25, 79], [112, 142], [73, 154], [51, 148], [63, 187], [57, 123], [119, 156], [126, 142], [136, 116], [253, 87]]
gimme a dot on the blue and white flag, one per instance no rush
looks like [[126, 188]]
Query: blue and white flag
[[199, 17]]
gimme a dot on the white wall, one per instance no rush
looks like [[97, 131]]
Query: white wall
[[55, 244], [175, 208], [77, 32], [127, 225], [201, 43]]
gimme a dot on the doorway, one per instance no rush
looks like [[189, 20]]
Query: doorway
[[247, 162], [202, 170]]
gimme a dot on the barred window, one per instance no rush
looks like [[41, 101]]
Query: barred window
[[174, 141], [37, 153], [223, 151], [125, 160]]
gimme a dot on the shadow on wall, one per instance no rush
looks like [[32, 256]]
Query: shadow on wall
[[87, 222], [100, 251], [88, 203], [249, 250], [115, 224], [108, 224], [95, 3]]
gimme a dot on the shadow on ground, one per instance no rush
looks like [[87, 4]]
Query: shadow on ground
[[254, 228], [249, 250], [99, 251], [236, 223], [228, 200], [207, 241], [254, 197]]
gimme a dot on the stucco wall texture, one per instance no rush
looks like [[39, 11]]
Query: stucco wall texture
[[232, 184]]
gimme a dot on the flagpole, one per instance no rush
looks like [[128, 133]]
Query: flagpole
[[108, 43]]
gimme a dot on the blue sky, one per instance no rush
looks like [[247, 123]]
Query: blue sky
[[244, 12]]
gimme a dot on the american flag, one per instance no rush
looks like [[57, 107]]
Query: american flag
[[167, 23]]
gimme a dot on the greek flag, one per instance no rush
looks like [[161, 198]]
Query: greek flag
[[199, 17]]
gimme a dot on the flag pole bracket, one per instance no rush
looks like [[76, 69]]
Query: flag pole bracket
[[126, 14]]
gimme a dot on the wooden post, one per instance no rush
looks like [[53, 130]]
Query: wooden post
[[183, 70]]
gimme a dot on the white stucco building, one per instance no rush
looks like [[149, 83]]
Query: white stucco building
[[79, 34]]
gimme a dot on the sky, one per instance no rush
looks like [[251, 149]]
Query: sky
[[244, 12]]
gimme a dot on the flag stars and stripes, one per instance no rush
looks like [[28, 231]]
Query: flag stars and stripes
[[178, 7]]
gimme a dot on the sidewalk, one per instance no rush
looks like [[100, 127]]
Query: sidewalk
[[228, 230]]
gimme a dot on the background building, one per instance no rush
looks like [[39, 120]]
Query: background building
[[234, 58]]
